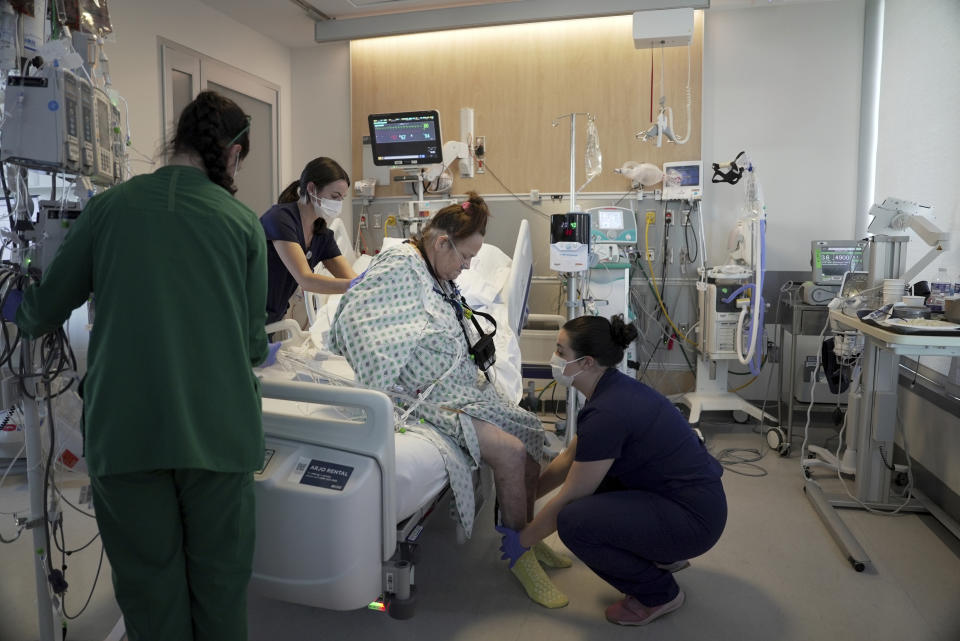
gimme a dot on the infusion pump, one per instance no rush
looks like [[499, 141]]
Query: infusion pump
[[57, 121]]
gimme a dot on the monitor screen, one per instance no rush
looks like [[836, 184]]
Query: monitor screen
[[407, 138], [833, 259], [610, 218], [683, 175]]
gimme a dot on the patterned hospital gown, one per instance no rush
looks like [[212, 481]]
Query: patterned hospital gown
[[400, 335]]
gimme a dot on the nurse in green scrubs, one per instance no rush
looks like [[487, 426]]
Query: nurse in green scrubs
[[171, 405]]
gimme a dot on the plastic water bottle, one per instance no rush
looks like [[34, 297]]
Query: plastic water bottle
[[939, 289]]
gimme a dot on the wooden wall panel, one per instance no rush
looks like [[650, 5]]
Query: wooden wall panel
[[518, 79]]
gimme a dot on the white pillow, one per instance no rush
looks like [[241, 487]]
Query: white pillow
[[488, 273]]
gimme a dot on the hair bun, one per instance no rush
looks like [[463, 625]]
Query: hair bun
[[622, 333]]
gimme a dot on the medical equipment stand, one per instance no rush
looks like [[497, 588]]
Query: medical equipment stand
[[876, 425], [36, 469], [573, 280]]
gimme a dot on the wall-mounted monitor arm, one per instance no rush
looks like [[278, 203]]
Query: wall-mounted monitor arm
[[452, 150], [895, 215]]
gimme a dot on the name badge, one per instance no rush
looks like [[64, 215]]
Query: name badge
[[309, 253]]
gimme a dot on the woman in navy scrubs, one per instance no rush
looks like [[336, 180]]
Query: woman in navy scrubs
[[640, 494], [298, 236]]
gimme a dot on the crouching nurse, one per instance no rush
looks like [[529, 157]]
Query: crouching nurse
[[639, 494]]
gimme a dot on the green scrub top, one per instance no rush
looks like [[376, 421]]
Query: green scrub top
[[178, 270]]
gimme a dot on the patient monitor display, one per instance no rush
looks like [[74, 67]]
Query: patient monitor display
[[682, 180], [405, 138], [831, 259], [613, 225]]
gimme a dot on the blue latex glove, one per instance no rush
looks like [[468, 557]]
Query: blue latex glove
[[11, 304], [510, 544], [356, 280], [272, 349]]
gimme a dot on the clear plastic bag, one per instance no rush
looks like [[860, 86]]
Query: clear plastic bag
[[593, 160]]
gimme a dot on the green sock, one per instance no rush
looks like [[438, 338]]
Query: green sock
[[550, 557], [537, 584]]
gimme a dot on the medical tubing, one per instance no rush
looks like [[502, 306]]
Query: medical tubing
[[646, 246], [637, 306], [689, 95], [813, 383], [757, 302], [907, 495]]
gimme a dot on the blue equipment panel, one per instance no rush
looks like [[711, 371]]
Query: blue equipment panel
[[613, 225]]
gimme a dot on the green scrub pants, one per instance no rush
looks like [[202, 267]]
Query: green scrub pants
[[181, 546]]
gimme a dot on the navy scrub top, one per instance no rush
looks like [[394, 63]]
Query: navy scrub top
[[282, 222], [652, 444]]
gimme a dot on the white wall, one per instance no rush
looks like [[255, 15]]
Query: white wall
[[321, 107], [135, 63], [917, 159], [783, 83], [919, 137]]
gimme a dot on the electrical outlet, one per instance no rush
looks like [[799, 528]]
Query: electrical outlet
[[650, 255], [377, 221], [480, 146], [651, 217], [363, 222], [668, 218], [391, 221]]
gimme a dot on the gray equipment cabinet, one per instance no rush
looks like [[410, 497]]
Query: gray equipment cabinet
[[797, 321]]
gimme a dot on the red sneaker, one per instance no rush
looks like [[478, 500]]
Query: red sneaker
[[630, 611]]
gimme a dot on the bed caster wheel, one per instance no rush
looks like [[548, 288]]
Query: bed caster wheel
[[777, 441], [901, 479], [401, 608], [806, 473], [740, 417]]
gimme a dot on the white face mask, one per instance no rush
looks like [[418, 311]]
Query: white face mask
[[236, 167], [327, 207], [558, 365]]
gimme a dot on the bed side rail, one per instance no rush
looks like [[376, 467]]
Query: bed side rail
[[373, 437]]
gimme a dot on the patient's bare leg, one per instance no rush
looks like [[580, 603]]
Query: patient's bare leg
[[532, 471], [507, 456]]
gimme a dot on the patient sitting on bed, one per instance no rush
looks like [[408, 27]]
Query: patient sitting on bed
[[399, 327]]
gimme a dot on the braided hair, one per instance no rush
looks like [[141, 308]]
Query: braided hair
[[206, 128], [603, 339]]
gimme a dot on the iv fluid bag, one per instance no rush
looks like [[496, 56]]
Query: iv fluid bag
[[592, 161]]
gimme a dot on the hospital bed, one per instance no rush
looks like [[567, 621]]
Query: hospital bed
[[342, 495]]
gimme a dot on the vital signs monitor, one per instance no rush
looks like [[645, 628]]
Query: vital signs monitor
[[405, 138]]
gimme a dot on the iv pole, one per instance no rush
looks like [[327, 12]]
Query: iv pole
[[573, 278]]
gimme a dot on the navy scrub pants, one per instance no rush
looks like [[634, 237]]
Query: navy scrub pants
[[181, 546], [620, 535]]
